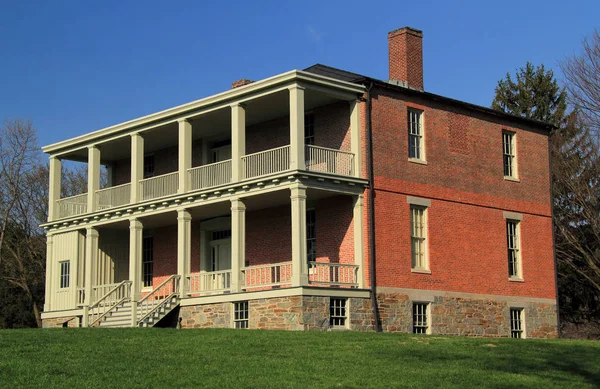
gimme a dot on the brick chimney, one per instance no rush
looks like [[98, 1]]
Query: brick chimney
[[242, 82], [405, 47]]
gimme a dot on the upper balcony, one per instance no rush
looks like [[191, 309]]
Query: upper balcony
[[291, 123]]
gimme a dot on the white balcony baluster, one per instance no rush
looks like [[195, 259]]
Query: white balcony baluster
[[322, 159], [266, 162], [159, 186], [207, 176], [272, 274], [113, 196], [333, 274], [212, 281], [72, 206]]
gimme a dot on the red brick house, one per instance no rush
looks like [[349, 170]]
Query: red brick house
[[309, 200]]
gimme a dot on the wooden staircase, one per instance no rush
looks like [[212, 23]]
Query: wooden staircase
[[121, 315]]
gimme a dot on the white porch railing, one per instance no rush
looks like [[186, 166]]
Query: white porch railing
[[333, 273], [213, 281], [99, 291], [266, 162], [117, 295], [159, 186], [322, 159], [153, 300], [72, 206], [272, 274], [214, 174], [113, 196]]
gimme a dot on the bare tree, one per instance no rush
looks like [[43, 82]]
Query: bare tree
[[582, 73]]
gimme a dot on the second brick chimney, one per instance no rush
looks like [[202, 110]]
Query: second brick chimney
[[405, 47], [242, 82]]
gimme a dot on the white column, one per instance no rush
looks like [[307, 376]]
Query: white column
[[184, 248], [238, 141], [91, 256], [49, 274], [55, 168], [299, 265], [238, 244], [359, 238], [93, 177], [137, 166], [135, 265], [297, 127], [355, 141], [185, 155]]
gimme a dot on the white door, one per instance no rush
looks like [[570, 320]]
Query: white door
[[221, 260]]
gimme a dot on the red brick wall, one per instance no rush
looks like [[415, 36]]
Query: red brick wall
[[334, 229], [465, 182]]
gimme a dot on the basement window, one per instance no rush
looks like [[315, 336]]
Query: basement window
[[420, 318], [240, 318], [65, 274], [337, 312], [516, 323]]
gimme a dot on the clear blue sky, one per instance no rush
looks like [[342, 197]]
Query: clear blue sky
[[78, 66]]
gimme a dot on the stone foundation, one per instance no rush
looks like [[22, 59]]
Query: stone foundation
[[60, 322], [449, 315]]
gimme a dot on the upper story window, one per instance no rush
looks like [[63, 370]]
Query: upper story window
[[309, 129], [509, 152], [221, 151], [149, 166], [514, 249], [418, 237], [65, 274], [416, 136]]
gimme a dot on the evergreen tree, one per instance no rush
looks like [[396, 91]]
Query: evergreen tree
[[534, 95]]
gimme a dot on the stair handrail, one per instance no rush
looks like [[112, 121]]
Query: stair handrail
[[96, 304], [156, 304]]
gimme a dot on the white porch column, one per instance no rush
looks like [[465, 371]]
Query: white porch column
[[137, 166], [91, 257], [359, 239], [135, 265], [93, 177], [238, 141], [184, 248], [49, 274], [185, 155], [238, 244], [299, 264], [54, 188], [297, 128], [355, 138]]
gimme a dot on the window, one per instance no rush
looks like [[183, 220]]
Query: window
[[240, 318], [309, 129], [149, 166], [510, 154], [420, 318], [147, 260], [65, 274], [416, 149], [516, 323], [337, 312], [418, 237], [514, 252], [311, 237]]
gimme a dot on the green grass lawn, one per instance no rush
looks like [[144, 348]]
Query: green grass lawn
[[169, 358]]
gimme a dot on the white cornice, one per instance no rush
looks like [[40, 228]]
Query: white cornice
[[179, 112]]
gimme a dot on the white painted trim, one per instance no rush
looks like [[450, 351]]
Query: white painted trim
[[65, 313], [412, 200], [275, 293], [415, 293], [512, 215], [178, 113]]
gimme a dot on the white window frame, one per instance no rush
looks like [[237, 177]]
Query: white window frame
[[241, 314], [420, 309], [147, 236], [416, 134], [509, 155], [419, 238], [64, 281], [338, 312], [513, 248], [517, 322]]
